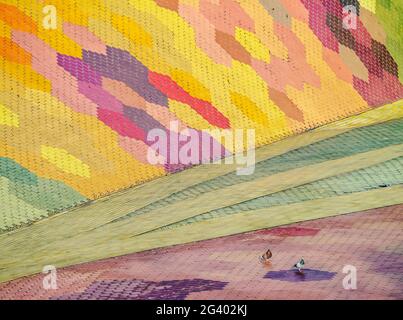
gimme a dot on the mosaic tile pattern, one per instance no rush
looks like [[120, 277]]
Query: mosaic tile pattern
[[229, 268], [347, 166], [383, 175], [144, 290], [343, 145], [77, 101]]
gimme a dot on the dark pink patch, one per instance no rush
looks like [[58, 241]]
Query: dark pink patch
[[121, 124], [378, 91], [317, 22], [173, 91]]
